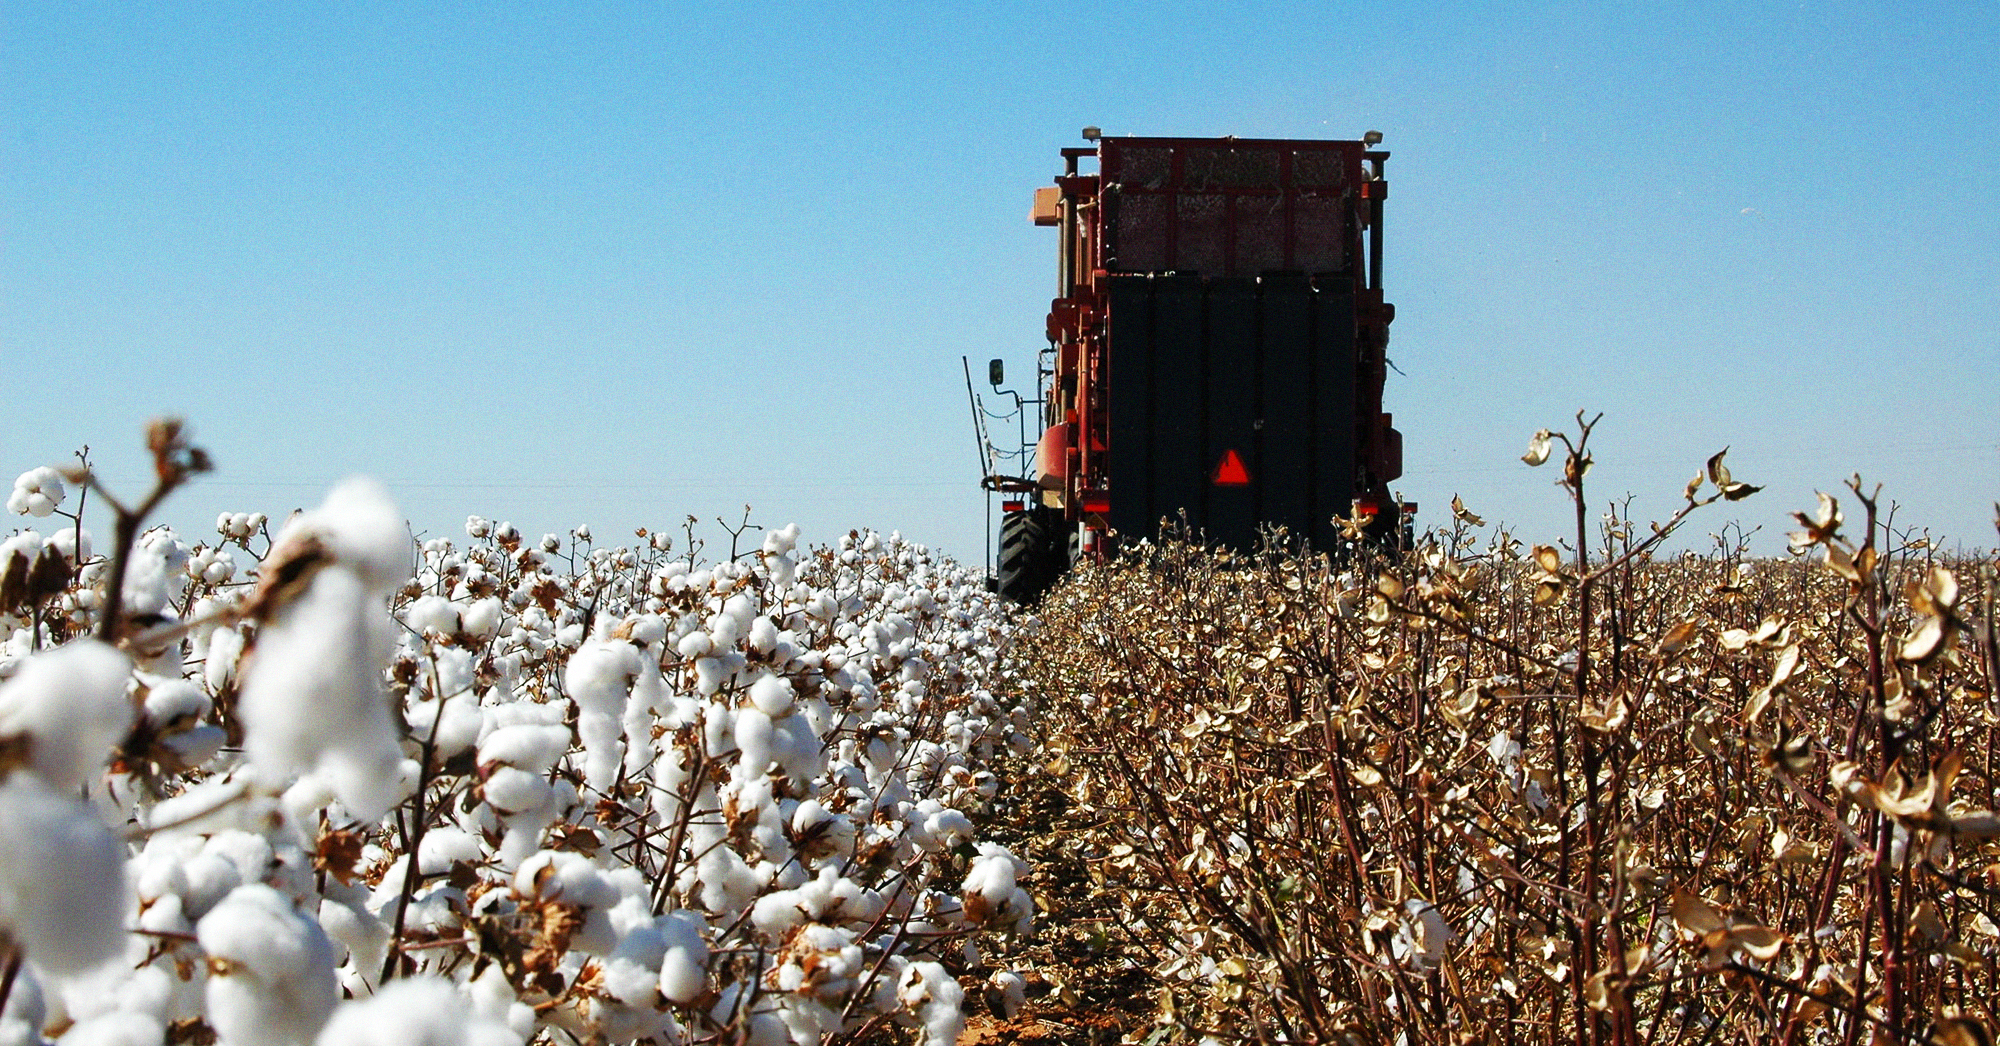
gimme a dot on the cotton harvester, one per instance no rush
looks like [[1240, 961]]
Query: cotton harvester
[[1215, 351]]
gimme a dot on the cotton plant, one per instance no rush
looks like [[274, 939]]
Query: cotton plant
[[536, 790]]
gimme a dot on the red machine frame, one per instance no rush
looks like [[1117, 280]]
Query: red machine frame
[[1072, 457]]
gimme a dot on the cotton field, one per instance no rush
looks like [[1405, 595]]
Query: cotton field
[[312, 782]]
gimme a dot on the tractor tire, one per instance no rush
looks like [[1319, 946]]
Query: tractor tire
[[1029, 562]]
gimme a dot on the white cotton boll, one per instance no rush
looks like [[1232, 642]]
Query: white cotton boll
[[1421, 936], [774, 913], [724, 629], [530, 746], [797, 749], [443, 846], [313, 696], [482, 618], [173, 701], [195, 745], [362, 936], [36, 492], [432, 614], [361, 526], [415, 1011], [1007, 992], [511, 790], [709, 675], [772, 694], [728, 884], [558, 875], [599, 680], [151, 572], [632, 971], [763, 635], [452, 726], [946, 827], [493, 999], [935, 997], [695, 644], [754, 735], [72, 544], [116, 1028], [21, 1025], [272, 981], [71, 703], [782, 540], [63, 895], [225, 647], [991, 878]]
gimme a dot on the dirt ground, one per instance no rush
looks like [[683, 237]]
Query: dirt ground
[[1084, 986]]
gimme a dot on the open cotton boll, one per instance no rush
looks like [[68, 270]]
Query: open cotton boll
[[599, 680], [442, 846], [482, 618], [364, 937], [360, 525], [63, 895], [21, 1024], [1421, 936], [173, 701], [415, 1011], [631, 972], [935, 997], [531, 746], [36, 492], [271, 980], [432, 614], [219, 658], [684, 957], [117, 1028], [312, 695], [492, 999], [772, 694], [70, 704], [150, 573], [452, 726]]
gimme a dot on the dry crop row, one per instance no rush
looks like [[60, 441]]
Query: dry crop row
[[1480, 795]]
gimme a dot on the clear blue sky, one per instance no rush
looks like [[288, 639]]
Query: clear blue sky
[[623, 263]]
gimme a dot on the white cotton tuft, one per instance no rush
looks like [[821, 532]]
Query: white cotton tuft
[[36, 492], [21, 1024], [116, 1028], [361, 526], [772, 694], [1006, 993], [599, 680], [312, 695], [936, 998], [62, 878], [271, 981], [684, 963], [432, 613], [71, 704], [415, 1011]]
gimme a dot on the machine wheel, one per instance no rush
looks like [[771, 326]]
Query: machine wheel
[[1029, 557]]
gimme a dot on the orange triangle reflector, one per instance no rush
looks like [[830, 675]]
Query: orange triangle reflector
[[1229, 472]]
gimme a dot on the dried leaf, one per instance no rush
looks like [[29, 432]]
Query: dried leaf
[[1759, 942], [1538, 448], [1694, 914], [1925, 642], [1718, 473], [1676, 639]]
